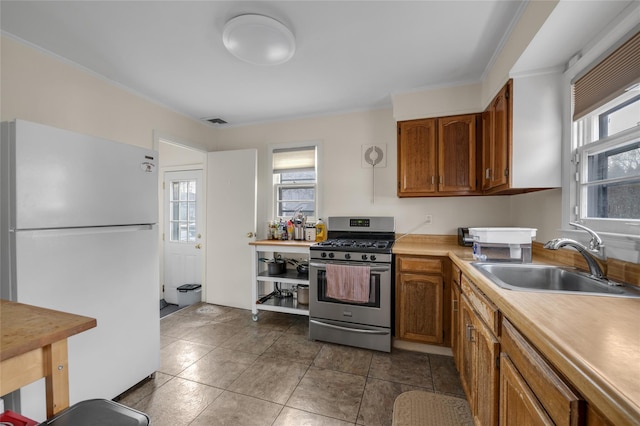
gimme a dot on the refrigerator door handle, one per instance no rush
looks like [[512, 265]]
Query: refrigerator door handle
[[57, 232]]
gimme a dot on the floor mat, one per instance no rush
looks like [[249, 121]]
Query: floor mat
[[167, 308]]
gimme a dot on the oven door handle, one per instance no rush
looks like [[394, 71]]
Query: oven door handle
[[323, 266], [353, 330]]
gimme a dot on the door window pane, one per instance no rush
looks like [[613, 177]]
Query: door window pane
[[182, 209]]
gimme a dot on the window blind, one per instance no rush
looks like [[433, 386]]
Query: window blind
[[608, 79], [287, 160]]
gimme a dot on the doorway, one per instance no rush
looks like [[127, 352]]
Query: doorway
[[183, 231], [182, 213]]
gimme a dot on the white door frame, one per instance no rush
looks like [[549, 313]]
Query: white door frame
[[182, 248], [158, 138]]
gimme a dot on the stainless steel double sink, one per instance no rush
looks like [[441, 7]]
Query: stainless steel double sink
[[551, 279]]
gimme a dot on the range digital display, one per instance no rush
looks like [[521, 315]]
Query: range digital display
[[359, 223]]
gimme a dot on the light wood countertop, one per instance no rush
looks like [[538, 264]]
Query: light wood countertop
[[594, 341], [27, 327], [283, 243]]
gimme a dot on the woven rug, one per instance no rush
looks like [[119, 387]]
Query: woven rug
[[418, 408]]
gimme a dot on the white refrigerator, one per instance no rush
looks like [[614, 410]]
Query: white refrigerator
[[79, 234]]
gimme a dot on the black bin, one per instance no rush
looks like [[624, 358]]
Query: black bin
[[99, 412]]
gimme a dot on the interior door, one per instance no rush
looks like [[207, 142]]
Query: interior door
[[231, 225], [183, 230]]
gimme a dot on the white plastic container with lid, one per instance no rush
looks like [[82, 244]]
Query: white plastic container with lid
[[502, 244], [503, 235]]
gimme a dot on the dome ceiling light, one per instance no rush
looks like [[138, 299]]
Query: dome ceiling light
[[258, 40]]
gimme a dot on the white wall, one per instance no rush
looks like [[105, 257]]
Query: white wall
[[39, 87], [347, 186], [45, 89]]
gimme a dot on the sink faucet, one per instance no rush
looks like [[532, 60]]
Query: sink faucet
[[596, 247]]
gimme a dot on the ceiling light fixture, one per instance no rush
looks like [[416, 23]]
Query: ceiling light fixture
[[258, 40]]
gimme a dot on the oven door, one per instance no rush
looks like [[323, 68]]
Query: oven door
[[376, 312]]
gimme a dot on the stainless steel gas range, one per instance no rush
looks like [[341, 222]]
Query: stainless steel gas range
[[351, 281]]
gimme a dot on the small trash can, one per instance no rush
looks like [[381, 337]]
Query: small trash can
[[188, 294], [99, 412]]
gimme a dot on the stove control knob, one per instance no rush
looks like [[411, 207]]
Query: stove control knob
[[331, 255], [373, 257], [364, 257], [323, 254], [347, 256]]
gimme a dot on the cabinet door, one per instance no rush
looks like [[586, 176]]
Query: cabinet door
[[455, 323], [467, 350], [417, 157], [487, 375], [455, 314], [457, 153], [420, 308], [518, 405], [560, 402], [497, 153]]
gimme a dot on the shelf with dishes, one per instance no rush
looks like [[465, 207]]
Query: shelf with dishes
[[275, 289]]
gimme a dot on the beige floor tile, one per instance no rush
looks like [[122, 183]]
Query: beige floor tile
[[344, 358], [300, 326], [178, 325], [143, 389], [271, 379], [252, 340], [329, 393], [219, 368], [270, 363], [178, 402], [212, 334], [294, 347], [411, 368], [166, 340], [232, 409], [180, 354], [292, 417], [445, 376], [275, 320], [377, 403]]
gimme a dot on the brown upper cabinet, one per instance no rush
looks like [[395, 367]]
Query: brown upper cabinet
[[522, 136], [496, 150], [437, 156], [514, 146]]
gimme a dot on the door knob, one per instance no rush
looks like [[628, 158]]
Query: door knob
[[198, 246], [250, 234]]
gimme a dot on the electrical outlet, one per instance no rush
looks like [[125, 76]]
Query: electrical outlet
[[428, 219]]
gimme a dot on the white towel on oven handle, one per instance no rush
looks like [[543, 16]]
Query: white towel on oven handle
[[348, 283]]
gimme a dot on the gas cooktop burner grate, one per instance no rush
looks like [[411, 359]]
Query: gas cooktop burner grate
[[363, 244]]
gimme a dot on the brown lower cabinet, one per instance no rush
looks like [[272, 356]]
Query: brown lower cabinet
[[506, 380], [478, 352], [421, 295], [531, 392]]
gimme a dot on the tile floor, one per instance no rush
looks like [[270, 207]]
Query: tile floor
[[218, 367]]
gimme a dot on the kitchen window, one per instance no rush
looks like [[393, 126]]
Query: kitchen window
[[606, 142], [295, 181]]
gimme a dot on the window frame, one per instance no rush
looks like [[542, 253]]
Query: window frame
[[620, 244], [274, 186]]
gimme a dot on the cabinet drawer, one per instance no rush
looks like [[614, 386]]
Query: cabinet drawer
[[561, 403], [424, 265], [483, 306]]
